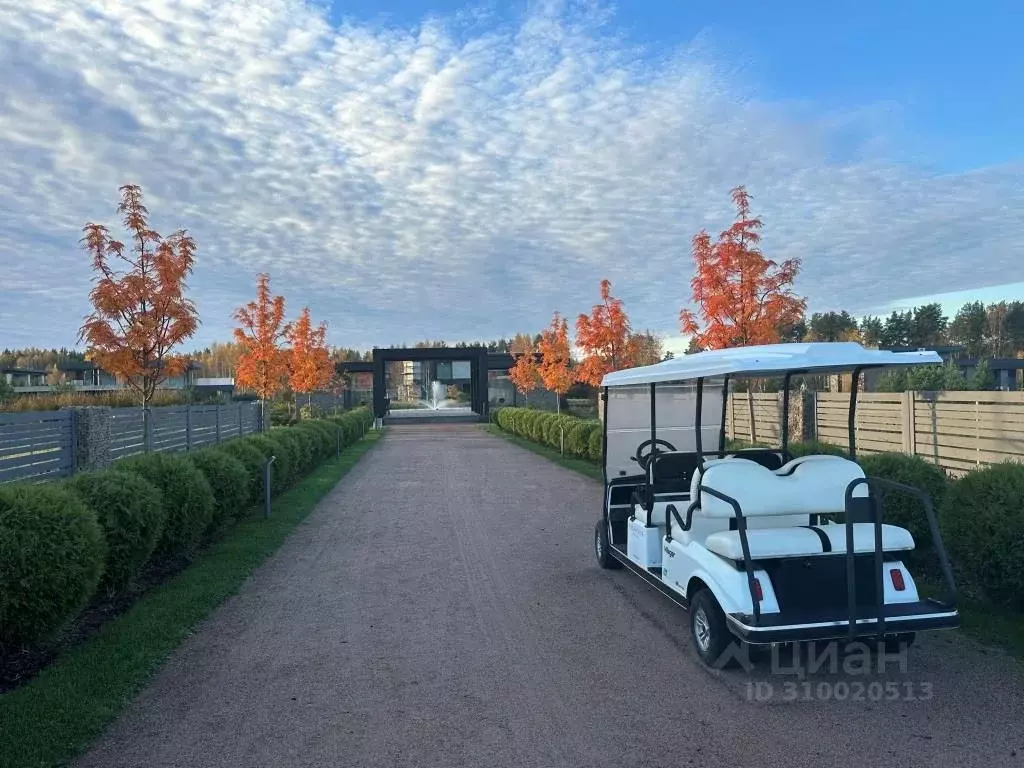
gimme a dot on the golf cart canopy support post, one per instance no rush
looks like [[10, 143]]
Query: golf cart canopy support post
[[725, 405], [696, 427], [851, 419]]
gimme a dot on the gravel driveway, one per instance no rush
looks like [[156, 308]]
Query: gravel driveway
[[442, 608]]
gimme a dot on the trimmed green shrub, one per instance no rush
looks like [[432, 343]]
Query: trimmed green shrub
[[901, 508], [230, 482], [253, 461], [354, 423], [130, 511], [582, 437], [52, 553], [300, 457], [280, 477], [323, 435], [982, 522], [187, 497]]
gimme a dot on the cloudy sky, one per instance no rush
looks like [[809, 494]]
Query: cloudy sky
[[459, 171]]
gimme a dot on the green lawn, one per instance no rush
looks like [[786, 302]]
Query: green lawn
[[58, 714], [990, 625]]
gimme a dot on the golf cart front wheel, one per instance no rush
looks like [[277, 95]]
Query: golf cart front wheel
[[708, 631], [601, 547]]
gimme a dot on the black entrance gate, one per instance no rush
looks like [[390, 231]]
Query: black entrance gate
[[477, 357]]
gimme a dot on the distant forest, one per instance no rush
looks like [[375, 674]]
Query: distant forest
[[982, 331]]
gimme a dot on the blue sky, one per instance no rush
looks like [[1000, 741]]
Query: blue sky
[[950, 72], [453, 170]]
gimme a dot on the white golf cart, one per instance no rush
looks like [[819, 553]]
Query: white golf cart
[[749, 540]]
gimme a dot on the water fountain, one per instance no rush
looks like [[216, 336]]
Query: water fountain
[[438, 396]]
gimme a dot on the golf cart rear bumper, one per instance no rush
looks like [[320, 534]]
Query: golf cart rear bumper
[[915, 617]]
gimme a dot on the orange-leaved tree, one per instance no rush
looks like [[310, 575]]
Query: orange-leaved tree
[[140, 311], [263, 365], [742, 297], [604, 338], [524, 374], [553, 369], [309, 366], [644, 348]]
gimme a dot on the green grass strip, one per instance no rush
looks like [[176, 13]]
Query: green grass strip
[[583, 466], [58, 714], [988, 624]]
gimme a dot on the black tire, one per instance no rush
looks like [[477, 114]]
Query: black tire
[[711, 638], [601, 548]]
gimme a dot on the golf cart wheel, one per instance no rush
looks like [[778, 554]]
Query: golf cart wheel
[[710, 636], [601, 549]]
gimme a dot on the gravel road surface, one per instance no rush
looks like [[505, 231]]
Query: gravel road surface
[[442, 607]]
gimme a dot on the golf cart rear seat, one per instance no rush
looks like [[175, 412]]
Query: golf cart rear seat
[[671, 476], [785, 503]]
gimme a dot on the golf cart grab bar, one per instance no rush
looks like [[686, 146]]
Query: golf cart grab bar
[[933, 524], [741, 526], [671, 511], [851, 579]]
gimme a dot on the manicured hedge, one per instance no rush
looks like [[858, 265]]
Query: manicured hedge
[[322, 437], [230, 482], [131, 513], [52, 553], [188, 500], [582, 437], [901, 508], [62, 541], [253, 461], [299, 454], [982, 521], [280, 473]]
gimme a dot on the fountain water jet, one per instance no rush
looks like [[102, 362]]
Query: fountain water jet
[[438, 398]]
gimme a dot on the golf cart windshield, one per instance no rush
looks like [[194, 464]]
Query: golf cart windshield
[[675, 406]]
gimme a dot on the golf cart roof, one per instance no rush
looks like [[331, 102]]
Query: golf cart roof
[[769, 360]]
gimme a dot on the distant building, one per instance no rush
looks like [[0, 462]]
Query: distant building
[[23, 378]]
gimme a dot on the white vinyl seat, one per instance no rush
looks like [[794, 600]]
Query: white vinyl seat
[[778, 507], [799, 542]]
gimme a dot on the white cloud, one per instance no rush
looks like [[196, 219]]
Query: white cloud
[[434, 182]]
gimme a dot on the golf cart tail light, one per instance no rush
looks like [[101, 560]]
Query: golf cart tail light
[[758, 595], [897, 579]]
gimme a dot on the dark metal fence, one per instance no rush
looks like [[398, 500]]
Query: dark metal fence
[[36, 445], [41, 445]]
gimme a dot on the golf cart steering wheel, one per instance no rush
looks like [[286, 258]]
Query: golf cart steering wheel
[[643, 458]]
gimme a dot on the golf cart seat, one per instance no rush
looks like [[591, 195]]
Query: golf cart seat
[[781, 508], [810, 540]]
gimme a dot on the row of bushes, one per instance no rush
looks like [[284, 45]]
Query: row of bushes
[[62, 542], [980, 515], [570, 434]]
